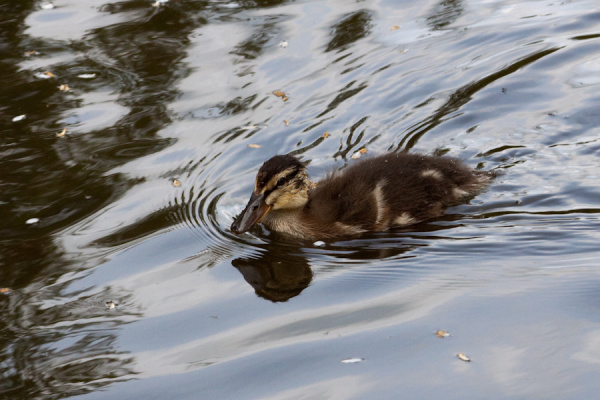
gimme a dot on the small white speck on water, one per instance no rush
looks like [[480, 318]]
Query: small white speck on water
[[31, 221], [352, 360], [319, 243], [18, 118]]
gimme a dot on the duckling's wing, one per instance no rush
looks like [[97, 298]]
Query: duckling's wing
[[396, 189]]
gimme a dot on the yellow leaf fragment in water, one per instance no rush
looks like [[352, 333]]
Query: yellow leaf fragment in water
[[326, 135], [442, 334], [176, 183], [6, 291], [279, 94], [286, 122], [110, 305], [62, 133], [49, 74], [363, 150], [64, 87], [463, 357], [393, 28], [254, 146]]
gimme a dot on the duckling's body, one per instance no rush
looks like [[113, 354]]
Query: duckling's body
[[371, 195]]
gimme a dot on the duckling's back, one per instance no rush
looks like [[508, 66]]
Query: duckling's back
[[392, 190]]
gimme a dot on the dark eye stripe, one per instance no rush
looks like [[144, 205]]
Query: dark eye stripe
[[286, 179]]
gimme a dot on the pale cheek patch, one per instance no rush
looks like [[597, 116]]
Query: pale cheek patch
[[432, 173], [404, 219]]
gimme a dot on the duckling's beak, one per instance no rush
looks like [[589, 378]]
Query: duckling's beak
[[252, 214]]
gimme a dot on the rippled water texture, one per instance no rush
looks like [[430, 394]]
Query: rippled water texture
[[117, 283]]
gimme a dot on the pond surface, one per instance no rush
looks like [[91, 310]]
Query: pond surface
[[120, 283]]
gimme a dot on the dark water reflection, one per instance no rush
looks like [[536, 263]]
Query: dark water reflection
[[178, 90]]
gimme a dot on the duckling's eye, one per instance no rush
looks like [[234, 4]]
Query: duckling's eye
[[280, 181]]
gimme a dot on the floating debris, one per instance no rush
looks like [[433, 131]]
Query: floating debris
[[326, 135], [319, 243], [110, 305], [352, 360], [280, 94], [358, 154], [62, 133], [159, 2], [64, 87], [393, 28], [463, 357], [32, 53], [86, 76], [6, 291], [47, 6], [31, 221], [248, 127], [45, 75], [442, 334], [283, 44], [286, 122], [255, 146], [176, 183], [18, 118]]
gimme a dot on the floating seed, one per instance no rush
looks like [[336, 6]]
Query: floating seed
[[352, 360], [359, 153], [463, 357], [326, 135], [18, 118], [62, 133], [285, 98], [279, 94], [31, 221], [44, 75], [442, 334], [176, 183], [64, 88], [110, 305], [286, 122], [255, 146], [393, 28]]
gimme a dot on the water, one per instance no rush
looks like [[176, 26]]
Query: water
[[178, 90]]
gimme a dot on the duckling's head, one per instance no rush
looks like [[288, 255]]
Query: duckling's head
[[281, 183]]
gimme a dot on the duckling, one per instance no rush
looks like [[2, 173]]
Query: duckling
[[371, 195]]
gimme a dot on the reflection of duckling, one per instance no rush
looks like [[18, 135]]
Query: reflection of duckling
[[373, 194]]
